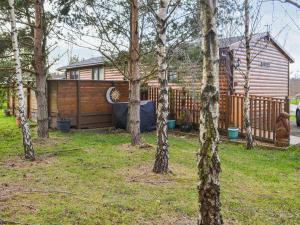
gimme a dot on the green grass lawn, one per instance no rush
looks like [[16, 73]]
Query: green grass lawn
[[86, 178], [295, 101], [293, 117]]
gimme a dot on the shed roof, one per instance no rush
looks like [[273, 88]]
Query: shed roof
[[88, 62], [234, 42]]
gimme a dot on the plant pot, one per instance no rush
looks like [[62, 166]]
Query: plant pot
[[18, 121], [6, 112], [233, 133], [171, 124], [186, 128], [64, 125]]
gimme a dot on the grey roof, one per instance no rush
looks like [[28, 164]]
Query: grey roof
[[233, 42], [226, 42], [88, 62]]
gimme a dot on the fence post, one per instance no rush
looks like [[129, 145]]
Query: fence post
[[183, 98], [171, 102], [228, 113], [287, 105], [78, 103]]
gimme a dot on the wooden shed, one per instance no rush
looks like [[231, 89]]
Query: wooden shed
[[83, 101]]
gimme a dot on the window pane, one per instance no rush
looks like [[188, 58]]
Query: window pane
[[95, 73], [172, 76], [101, 73]]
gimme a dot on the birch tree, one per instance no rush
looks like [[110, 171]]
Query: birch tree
[[209, 165], [162, 154], [134, 76], [246, 109], [27, 143]]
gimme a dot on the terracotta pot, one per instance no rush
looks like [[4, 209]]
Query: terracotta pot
[[18, 121]]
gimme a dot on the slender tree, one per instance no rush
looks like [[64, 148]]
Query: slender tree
[[27, 143], [246, 109], [39, 68], [162, 154], [134, 75], [209, 165]]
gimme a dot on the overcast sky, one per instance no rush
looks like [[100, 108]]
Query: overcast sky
[[282, 19]]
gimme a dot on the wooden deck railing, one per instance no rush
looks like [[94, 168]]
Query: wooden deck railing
[[263, 110]]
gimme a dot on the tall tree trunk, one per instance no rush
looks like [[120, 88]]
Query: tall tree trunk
[[209, 165], [39, 67], [134, 76], [247, 124], [162, 154], [27, 143]]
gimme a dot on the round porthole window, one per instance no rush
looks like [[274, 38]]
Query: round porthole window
[[112, 95]]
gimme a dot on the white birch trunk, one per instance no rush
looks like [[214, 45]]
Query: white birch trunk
[[209, 165], [134, 77], [247, 124], [28, 148], [162, 154]]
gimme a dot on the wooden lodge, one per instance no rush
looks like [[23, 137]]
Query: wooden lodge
[[269, 76]]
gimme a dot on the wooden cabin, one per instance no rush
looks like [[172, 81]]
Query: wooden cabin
[[95, 68], [269, 75]]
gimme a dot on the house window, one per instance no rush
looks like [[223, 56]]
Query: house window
[[98, 73], [265, 64], [172, 76], [74, 75]]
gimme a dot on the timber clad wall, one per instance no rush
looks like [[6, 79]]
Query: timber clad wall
[[191, 79], [86, 73], [30, 103], [83, 101], [269, 74], [112, 74]]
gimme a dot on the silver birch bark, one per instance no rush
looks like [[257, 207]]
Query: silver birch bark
[[247, 124], [134, 76], [27, 143], [39, 67], [209, 165], [162, 154]]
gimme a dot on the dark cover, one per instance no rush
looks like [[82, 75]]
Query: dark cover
[[147, 113]]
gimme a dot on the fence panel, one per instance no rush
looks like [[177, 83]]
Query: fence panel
[[263, 110]]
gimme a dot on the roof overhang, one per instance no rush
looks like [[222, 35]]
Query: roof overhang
[[79, 66], [259, 37]]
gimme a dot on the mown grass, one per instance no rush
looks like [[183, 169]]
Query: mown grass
[[295, 101], [88, 178]]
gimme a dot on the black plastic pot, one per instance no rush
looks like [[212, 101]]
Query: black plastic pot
[[64, 125], [298, 118], [186, 128], [6, 112]]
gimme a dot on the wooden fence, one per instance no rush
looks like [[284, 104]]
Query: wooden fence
[[82, 101], [263, 110]]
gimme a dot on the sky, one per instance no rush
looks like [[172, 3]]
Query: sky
[[281, 19]]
